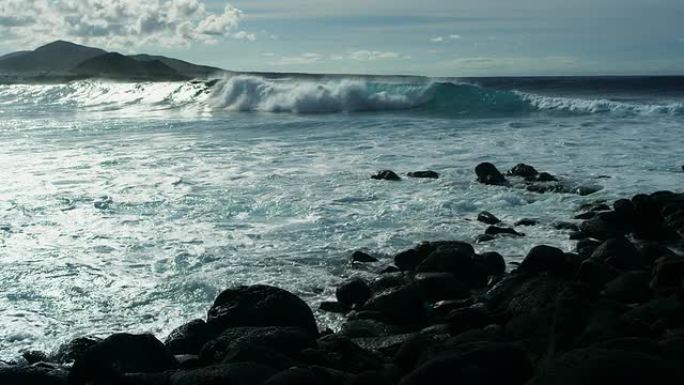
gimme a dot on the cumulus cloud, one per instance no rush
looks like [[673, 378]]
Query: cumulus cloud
[[118, 23], [360, 55], [365, 55], [439, 39]]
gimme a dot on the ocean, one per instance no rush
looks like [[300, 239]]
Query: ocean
[[130, 206]]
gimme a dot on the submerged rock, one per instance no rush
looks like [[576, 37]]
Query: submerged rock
[[494, 230], [361, 257], [524, 170], [488, 218], [386, 175], [423, 174]]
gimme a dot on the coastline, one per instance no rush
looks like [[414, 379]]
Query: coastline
[[611, 312]]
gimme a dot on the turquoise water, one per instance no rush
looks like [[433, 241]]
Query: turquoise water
[[128, 207]]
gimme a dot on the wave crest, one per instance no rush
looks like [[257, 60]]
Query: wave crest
[[308, 96]]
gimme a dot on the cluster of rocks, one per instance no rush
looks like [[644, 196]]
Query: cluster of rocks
[[612, 312], [392, 176], [526, 176]]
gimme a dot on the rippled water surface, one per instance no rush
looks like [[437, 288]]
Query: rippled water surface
[[120, 221]]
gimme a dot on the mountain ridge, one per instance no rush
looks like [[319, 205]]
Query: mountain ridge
[[63, 60]]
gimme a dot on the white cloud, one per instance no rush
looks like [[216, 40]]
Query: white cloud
[[118, 23], [365, 55], [440, 39], [360, 55]]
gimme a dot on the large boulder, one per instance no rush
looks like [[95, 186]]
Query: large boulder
[[403, 306], [353, 292], [190, 337], [121, 353], [441, 286], [287, 341], [260, 305], [456, 258], [487, 173], [74, 349], [619, 253], [411, 258], [668, 273], [14, 375], [544, 258]]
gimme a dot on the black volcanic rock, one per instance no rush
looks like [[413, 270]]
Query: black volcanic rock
[[386, 175], [361, 257], [495, 230], [487, 173], [523, 170], [488, 218], [121, 353], [116, 66], [261, 305], [543, 258], [423, 174], [353, 292]]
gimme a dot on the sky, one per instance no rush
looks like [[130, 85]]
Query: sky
[[412, 37]]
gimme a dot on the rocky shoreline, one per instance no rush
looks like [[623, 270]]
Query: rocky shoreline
[[611, 312]]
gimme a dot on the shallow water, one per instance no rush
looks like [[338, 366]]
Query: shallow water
[[126, 219]]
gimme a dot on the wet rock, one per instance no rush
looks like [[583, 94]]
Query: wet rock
[[668, 273], [629, 287], [353, 292], [619, 253], [596, 273], [488, 218], [526, 222], [524, 171], [544, 258], [28, 375], [389, 280], [121, 353], [586, 247], [487, 173], [189, 338], [334, 307], [587, 215], [587, 190], [287, 341], [482, 238], [423, 174], [260, 305], [361, 257], [402, 306], [546, 177], [241, 373], [34, 356], [456, 258], [565, 226], [74, 349], [410, 259], [361, 328], [441, 286], [494, 230], [343, 354], [577, 235], [386, 175], [490, 263], [468, 318]]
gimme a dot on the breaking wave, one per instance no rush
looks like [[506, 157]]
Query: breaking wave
[[244, 93]]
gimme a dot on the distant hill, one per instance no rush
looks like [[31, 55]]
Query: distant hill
[[116, 66], [183, 67], [55, 58], [63, 61]]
